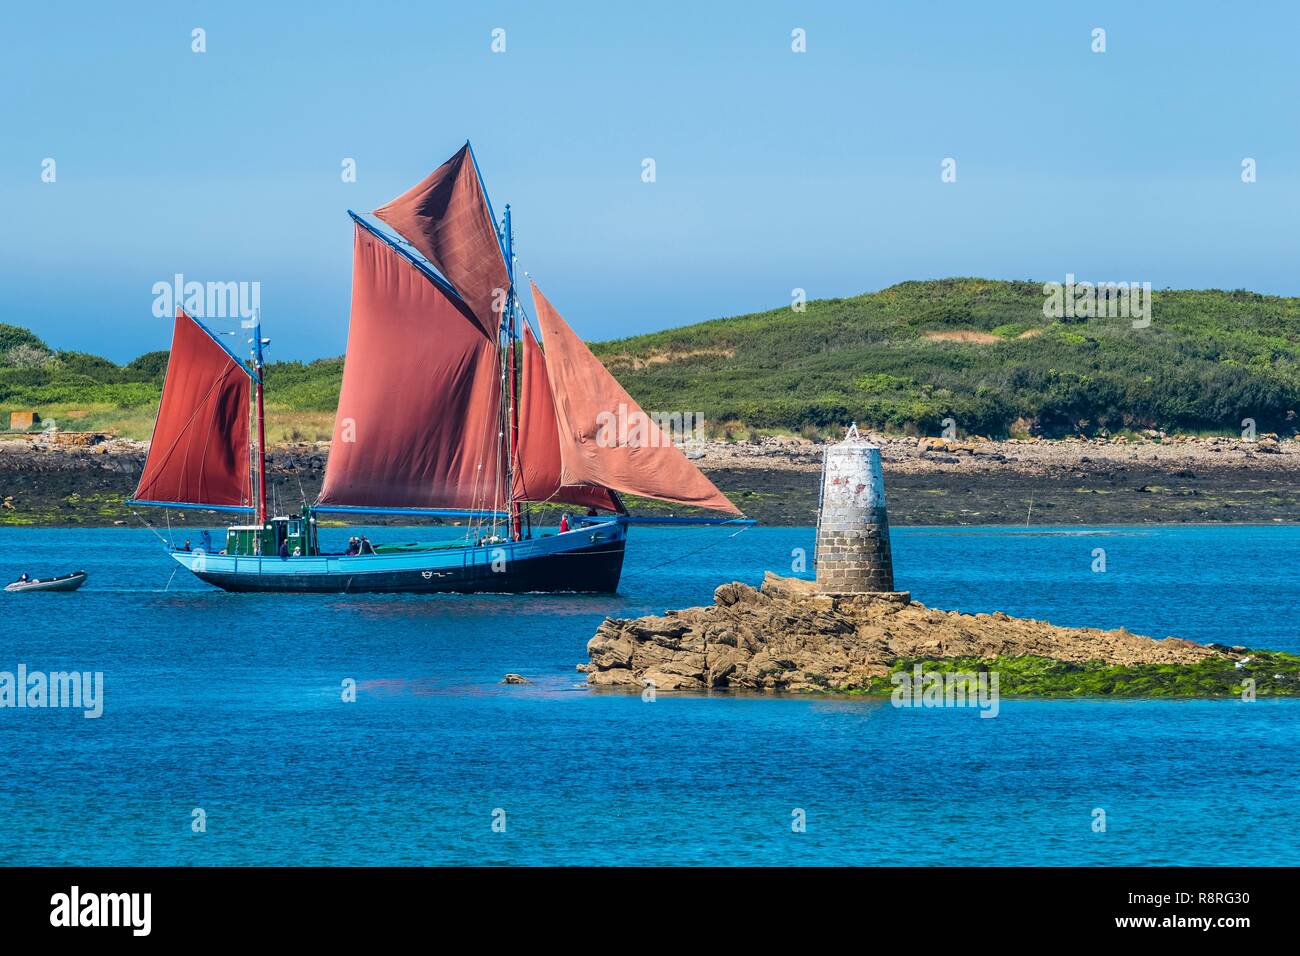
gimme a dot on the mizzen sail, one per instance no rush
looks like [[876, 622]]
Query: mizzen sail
[[447, 217], [199, 452], [418, 415], [587, 400]]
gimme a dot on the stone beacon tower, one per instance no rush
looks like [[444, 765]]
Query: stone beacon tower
[[853, 555]]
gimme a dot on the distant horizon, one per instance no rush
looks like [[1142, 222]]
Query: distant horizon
[[665, 165]]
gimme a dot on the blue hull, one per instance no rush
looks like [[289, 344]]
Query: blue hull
[[589, 559]]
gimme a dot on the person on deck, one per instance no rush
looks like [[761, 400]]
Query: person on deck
[[284, 550], [354, 547], [366, 546], [23, 578], [564, 523], [206, 540]]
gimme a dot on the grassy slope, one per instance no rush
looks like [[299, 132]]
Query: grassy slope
[[1209, 359]]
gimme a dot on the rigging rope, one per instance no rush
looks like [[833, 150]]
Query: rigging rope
[[679, 557], [151, 528]]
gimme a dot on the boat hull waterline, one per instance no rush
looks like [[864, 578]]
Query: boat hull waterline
[[585, 560]]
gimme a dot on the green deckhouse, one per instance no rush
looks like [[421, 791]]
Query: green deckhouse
[[297, 532]]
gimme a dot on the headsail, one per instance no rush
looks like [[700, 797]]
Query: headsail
[[587, 398], [417, 423], [448, 219], [199, 452], [537, 470]]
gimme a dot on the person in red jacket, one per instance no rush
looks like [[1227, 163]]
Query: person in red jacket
[[564, 523]]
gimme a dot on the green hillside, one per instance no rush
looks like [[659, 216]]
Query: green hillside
[[901, 359], [896, 359]]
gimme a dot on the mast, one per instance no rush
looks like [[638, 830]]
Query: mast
[[512, 407], [260, 464]]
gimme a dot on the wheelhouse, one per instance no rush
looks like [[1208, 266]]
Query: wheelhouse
[[296, 532]]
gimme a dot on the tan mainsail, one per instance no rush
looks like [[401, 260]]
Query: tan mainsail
[[591, 409], [417, 423]]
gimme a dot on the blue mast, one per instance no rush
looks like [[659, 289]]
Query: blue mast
[[512, 406], [261, 419]]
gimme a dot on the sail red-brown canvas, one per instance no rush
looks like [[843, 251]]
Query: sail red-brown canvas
[[446, 217], [537, 468], [594, 449], [199, 451], [417, 423]]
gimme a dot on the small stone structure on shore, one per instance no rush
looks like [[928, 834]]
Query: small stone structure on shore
[[20, 421]]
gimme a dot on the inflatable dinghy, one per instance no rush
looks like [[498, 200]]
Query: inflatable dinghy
[[65, 582]]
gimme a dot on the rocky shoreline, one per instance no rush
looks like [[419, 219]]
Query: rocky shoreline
[[785, 636], [936, 481], [70, 481]]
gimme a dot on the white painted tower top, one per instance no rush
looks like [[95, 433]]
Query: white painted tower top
[[851, 475]]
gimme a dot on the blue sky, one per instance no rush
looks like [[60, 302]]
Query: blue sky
[[775, 170]]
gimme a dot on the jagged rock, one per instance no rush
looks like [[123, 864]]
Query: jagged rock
[[787, 636], [609, 647], [614, 678], [664, 680], [736, 593], [515, 679]]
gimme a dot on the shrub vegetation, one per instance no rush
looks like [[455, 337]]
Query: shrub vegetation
[[902, 359]]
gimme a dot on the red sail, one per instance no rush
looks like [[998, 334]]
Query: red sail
[[537, 467], [447, 218], [593, 413], [199, 452], [417, 423]]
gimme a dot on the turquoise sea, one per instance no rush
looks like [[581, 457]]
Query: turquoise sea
[[232, 704]]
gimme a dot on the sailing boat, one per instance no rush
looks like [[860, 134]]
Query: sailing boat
[[436, 417]]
